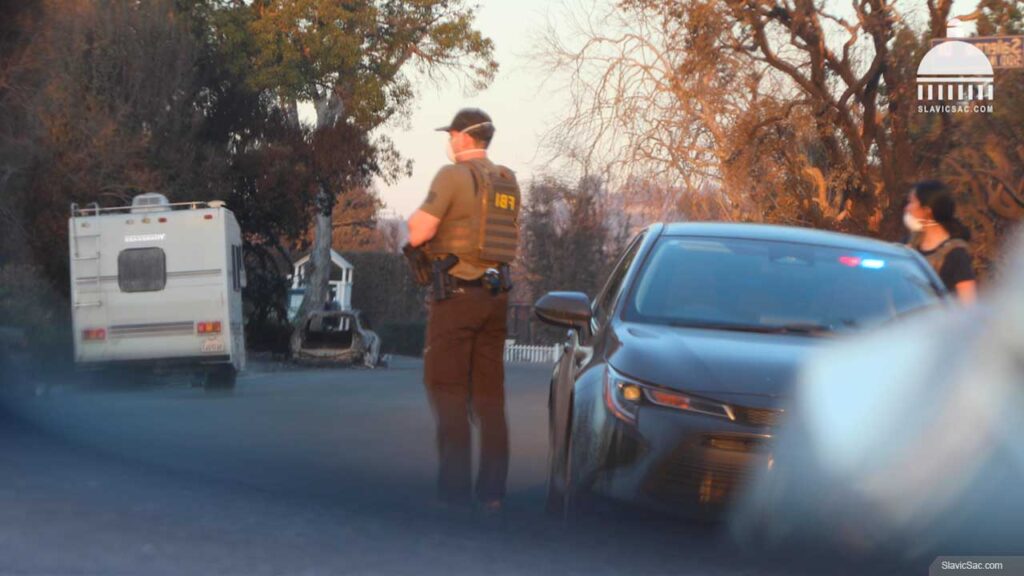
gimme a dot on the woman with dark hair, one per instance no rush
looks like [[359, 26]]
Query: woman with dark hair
[[940, 237]]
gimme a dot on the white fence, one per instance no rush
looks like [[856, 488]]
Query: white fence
[[537, 354]]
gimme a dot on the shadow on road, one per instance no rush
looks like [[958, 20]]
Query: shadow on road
[[315, 469]]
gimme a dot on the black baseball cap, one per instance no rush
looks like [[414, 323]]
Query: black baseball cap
[[470, 117]]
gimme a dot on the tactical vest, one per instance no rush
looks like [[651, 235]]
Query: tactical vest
[[491, 234], [938, 256]]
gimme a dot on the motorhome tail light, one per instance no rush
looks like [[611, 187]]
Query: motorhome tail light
[[162, 220], [208, 327], [207, 216], [94, 334]]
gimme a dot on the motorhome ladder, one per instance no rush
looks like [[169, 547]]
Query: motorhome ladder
[[94, 257]]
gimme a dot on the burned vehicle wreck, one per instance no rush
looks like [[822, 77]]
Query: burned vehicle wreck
[[339, 337], [338, 334]]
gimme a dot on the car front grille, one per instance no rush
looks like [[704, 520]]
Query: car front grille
[[737, 443], [757, 416], [687, 481]]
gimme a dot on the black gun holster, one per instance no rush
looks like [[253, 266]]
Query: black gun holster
[[419, 264], [443, 282]]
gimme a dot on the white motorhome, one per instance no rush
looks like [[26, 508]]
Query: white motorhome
[[158, 285]]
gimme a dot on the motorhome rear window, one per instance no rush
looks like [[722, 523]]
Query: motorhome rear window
[[141, 270]]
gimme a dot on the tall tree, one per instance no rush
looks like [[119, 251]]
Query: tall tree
[[106, 101], [18, 21], [792, 111], [982, 155], [353, 62], [569, 240]]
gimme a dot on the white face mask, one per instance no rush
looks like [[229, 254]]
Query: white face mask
[[450, 152], [915, 224]]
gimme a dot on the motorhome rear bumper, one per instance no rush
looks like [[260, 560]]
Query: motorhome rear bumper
[[182, 362]]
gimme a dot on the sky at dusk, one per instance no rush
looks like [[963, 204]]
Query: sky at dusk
[[517, 102], [521, 103]]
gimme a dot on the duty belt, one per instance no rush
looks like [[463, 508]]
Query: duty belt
[[496, 280], [459, 282]]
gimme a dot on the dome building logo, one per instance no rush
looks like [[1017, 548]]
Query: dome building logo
[[955, 77]]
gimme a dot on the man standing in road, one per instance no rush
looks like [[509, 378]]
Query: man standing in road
[[468, 229]]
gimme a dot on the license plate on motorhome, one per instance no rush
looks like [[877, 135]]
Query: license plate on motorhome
[[213, 345]]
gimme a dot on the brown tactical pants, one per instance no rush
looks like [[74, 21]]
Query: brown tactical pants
[[465, 377]]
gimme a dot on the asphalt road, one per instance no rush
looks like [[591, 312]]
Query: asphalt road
[[304, 472]]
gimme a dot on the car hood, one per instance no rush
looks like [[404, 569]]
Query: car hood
[[725, 365]]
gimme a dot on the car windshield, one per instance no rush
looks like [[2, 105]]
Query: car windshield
[[773, 286]]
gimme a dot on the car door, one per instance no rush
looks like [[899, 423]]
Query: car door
[[576, 353]]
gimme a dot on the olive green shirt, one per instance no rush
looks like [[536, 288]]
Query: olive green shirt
[[451, 198]]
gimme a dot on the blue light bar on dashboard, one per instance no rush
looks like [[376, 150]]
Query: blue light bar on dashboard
[[856, 261]]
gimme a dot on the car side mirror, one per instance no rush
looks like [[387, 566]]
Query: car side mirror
[[567, 309]]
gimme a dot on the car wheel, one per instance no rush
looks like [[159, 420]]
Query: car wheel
[[575, 497], [572, 500], [557, 477], [221, 379], [555, 503]]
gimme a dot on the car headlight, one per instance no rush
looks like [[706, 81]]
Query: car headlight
[[688, 403], [623, 396]]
